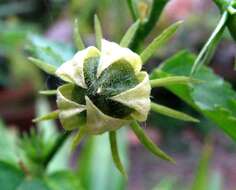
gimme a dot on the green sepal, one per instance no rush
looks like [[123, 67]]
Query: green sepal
[[98, 32], [175, 80], [70, 99], [48, 68], [78, 137], [48, 92], [98, 122], [115, 153], [77, 37], [129, 35], [159, 41], [172, 113], [49, 116], [148, 143]]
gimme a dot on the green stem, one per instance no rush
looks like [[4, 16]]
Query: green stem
[[225, 5], [147, 25], [132, 9], [209, 48], [60, 141]]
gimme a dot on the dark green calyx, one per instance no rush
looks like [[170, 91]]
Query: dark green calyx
[[115, 79]]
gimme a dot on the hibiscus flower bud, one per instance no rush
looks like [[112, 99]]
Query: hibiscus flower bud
[[106, 89]]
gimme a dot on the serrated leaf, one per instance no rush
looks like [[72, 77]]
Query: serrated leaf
[[159, 41], [214, 98], [147, 142]]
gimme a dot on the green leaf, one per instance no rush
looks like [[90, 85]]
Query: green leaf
[[159, 41], [77, 37], [63, 180], [129, 35], [115, 153], [35, 184], [211, 44], [61, 160], [98, 31], [147, 142], [166, 184], [172, 113], [49, 52], [10, 177], [8, 145], [48, 129], [214, 98]]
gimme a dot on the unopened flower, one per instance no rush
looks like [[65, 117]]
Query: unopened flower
[[106, 89]]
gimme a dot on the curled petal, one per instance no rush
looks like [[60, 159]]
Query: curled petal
[[98, 122], [71, 113], [137, 98], [72, 70], [112, 52]]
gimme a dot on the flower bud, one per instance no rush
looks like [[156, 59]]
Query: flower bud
[[106, 89]]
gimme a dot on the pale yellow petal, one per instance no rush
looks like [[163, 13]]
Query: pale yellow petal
[[137, 98], [112, 52], [98, 122], [69, 111], [72, 70]]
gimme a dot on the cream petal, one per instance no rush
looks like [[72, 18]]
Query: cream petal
[[112, 52], [70, 112], [98, 122], [137, 98], [72, 70]]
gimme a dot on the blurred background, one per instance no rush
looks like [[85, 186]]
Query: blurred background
[[53, 20]]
